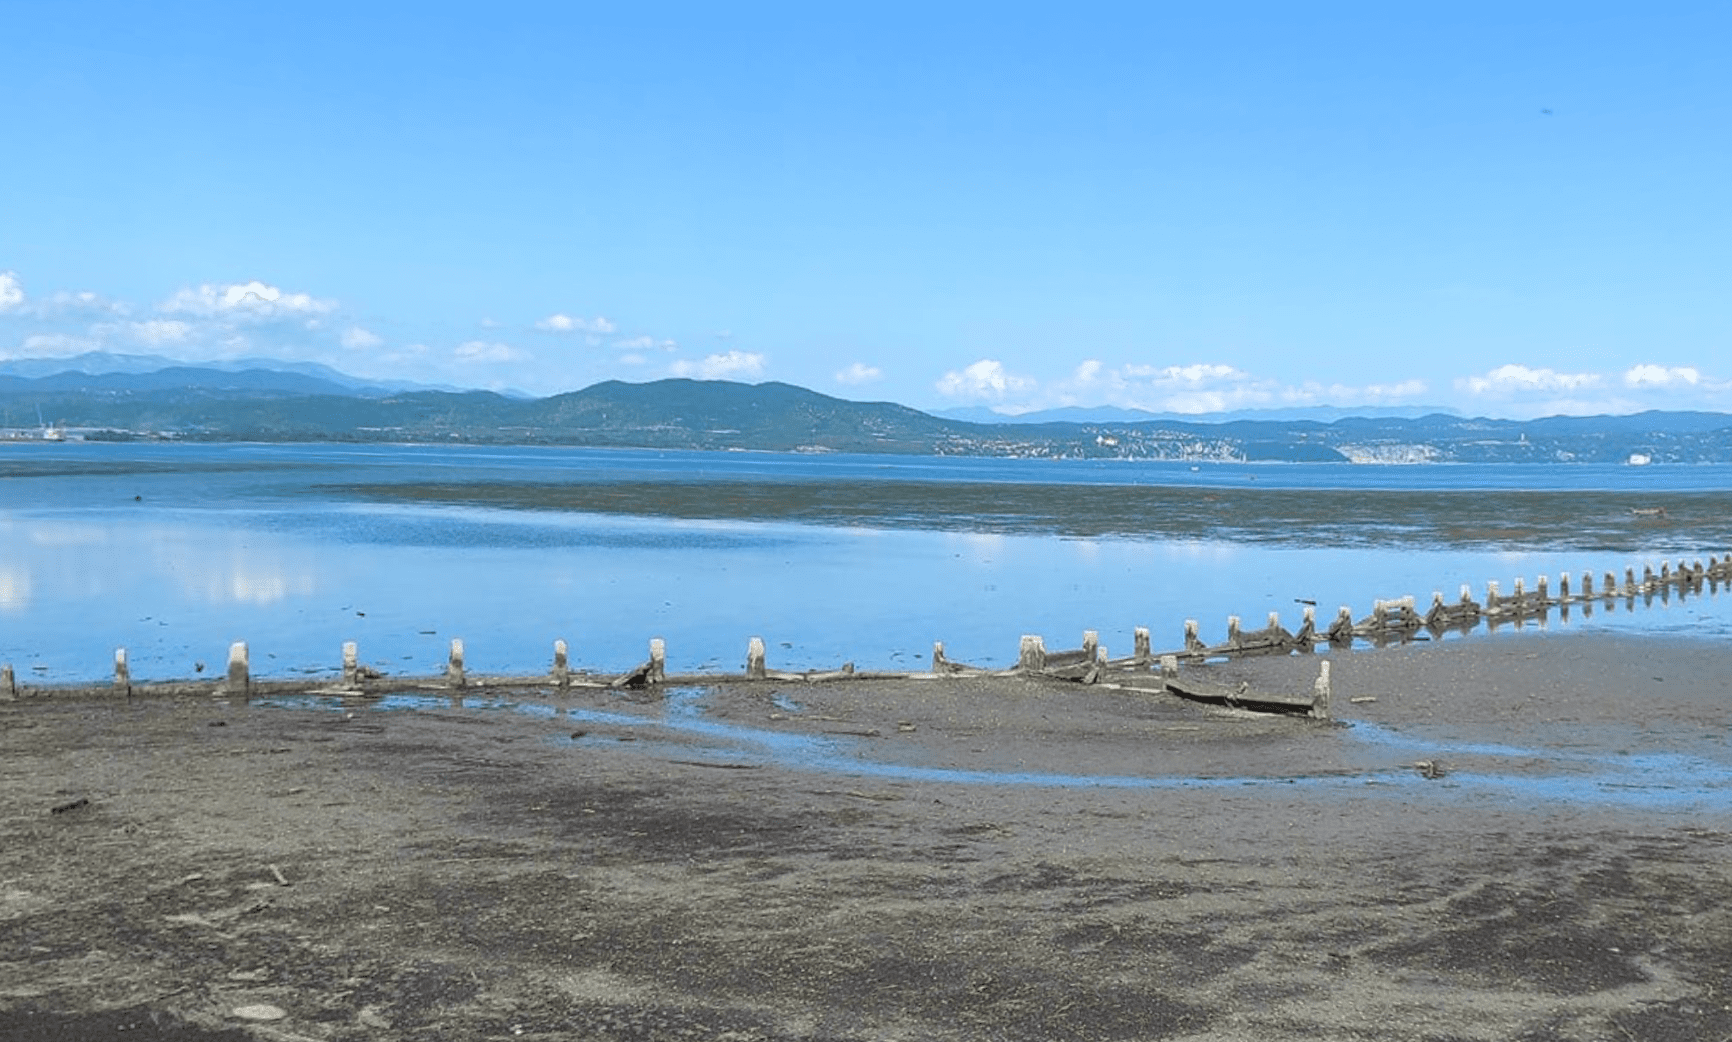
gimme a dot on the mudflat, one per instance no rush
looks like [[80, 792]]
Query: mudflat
[[1505, 836]]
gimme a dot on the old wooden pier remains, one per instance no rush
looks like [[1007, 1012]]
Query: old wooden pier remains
[[1144, 670]]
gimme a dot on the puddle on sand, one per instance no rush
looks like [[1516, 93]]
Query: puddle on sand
[[1476, 770]]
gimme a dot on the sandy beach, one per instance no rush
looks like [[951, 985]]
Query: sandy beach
[[1514, 835]]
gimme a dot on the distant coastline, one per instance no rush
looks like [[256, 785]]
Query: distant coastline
[[205, 404]]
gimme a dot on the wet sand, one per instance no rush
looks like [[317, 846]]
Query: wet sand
[[969, 859]]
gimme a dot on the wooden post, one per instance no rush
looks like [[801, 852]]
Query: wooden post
[[755, 668], [1091, 644], [939, 662], [1232, 629], [122, 675], [1540, 588], [561, 664], [1193, 642], [1341, 630], [1521, 594], [1609, 588], [658, 660], [1144, 649], [1321, 692], [1629, 582], [1169, 666], [1307, 628], [351, 664], [1032, 654], [454, 674], [1491, 595], [1563, 586], [240, 672], [8, 684]]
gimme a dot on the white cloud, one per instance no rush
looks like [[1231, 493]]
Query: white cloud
[[255, 300], [1520, 379], [859, 373], [720, 367], [83, 302], [983, 380], [11, 292], [357, 339], [567, 324], [484, 351], [1657, 376], [1192, 375], [157, 331], [52, 345], [644, 343], [632, 359], [1194, 389]]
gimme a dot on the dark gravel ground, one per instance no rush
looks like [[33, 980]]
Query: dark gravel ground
[[459, 871]]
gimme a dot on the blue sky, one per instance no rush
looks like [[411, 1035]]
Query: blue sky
[[1508, 209]]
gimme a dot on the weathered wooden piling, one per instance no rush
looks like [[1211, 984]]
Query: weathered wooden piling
[[1341, 630], [1169, 665], [122, 674], [1193, 641], [1321, 693], [1143, 648], [1492, 597], [1540, 589], [658, 660], [1032, 654], [561, 663], [454, 674], [755, 668], [1307, 634], [240, 678], [8, 683], [1629, 582], [1091, 644], [351, 664], [1233, 637]]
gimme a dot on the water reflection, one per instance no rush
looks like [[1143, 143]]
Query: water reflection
[[174, 552], [14, 590]]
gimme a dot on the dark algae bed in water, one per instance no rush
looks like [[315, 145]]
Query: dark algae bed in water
[[1478, 518]]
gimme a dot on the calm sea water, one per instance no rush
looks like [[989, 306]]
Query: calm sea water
[[174, 551]]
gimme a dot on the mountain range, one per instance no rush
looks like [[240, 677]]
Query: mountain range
[[126, 397]]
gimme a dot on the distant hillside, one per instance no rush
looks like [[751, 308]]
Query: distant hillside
[[196, 403]]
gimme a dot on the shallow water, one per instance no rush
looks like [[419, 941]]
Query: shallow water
[[175, 551], [1360, 757]]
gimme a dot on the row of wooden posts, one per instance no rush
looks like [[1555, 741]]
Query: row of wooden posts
[[1393, 620]]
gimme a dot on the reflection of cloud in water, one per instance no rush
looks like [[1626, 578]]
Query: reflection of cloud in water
[[14, 590], [978, 544], [246, 584], [246, 577]]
